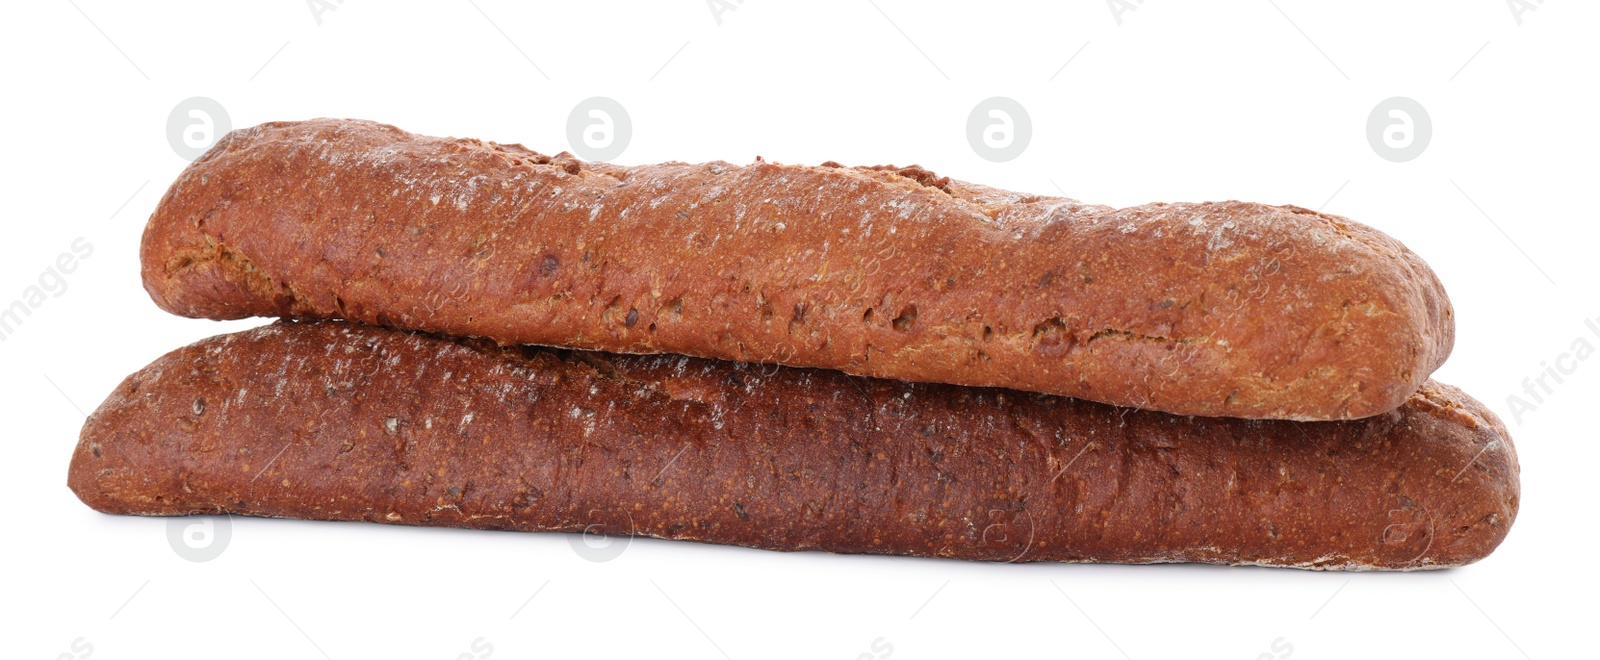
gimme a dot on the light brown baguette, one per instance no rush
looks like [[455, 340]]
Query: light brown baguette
[[339, 421], [1227, 308]]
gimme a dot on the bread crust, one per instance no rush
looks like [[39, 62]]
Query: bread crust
[[338, 421], [1225, 308]]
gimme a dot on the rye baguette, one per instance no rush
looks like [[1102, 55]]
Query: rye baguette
[[1226, 308], [337, 421]]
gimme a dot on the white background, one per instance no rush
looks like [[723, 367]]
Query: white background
[[1180, 101]]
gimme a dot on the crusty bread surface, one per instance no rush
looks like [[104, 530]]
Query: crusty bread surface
[[341, 421], [1224, 308]]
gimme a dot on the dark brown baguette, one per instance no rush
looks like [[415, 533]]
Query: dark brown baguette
[[341, 421], [1228, 308]]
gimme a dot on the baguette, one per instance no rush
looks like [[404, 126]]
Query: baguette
[[1228, 308], [337, 421]]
